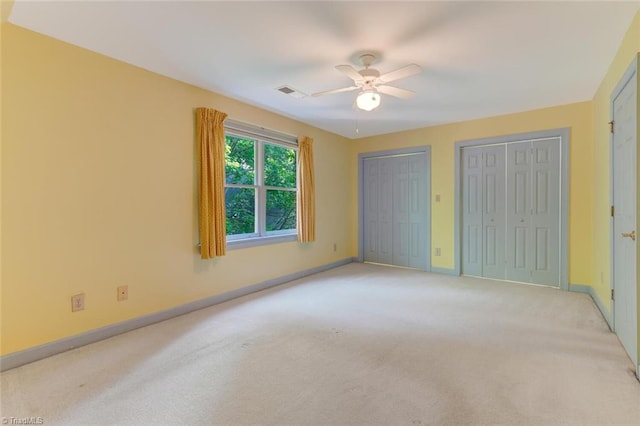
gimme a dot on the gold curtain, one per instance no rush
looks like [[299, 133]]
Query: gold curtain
[[210, 130], [306, 222]]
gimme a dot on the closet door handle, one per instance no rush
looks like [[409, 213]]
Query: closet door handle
[[631, 235]]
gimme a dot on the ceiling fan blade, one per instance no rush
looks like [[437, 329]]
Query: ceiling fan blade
[[396, 91], [331, 92], [350, 72], [400, 73]]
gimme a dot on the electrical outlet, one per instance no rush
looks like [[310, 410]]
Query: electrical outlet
[[77, 302], [437, 198], [335, 247], [438, 252], [123, 293]]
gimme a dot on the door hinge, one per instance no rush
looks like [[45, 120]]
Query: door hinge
[[613, 294], [612, 124], [613, 211]]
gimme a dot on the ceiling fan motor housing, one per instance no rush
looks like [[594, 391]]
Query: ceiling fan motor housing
[[369, 74]]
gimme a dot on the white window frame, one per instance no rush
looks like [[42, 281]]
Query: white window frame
[[261, 136]]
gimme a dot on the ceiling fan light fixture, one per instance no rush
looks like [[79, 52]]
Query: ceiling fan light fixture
[[368, 100]]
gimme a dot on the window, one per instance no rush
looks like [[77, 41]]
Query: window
[[260, 185]]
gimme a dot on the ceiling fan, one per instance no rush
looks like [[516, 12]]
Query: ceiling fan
[[371, 83]]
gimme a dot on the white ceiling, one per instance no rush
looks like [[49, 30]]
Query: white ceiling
[[479, 58]]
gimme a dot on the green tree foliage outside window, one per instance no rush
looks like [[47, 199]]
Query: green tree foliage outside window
[[280, 171], [240, 170], [239, 161], [242, 190]]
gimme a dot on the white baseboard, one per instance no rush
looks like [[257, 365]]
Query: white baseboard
[[581, 288], [36, 353]]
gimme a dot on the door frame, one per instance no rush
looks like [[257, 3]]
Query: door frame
[[564, 135], [426, 149], [631, 72]]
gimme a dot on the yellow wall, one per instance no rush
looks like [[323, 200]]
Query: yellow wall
[[5, 10], [442, 139], [99, 190]]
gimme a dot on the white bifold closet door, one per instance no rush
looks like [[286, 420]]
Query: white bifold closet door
[[483, 214], [533, 212], [511, 211], [395, 210]]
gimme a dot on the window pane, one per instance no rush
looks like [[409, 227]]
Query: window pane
[[239, 160], [279, 166], [241, 211], [281, 210]]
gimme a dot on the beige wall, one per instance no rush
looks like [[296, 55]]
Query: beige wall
[[442, 140], [99, 190]]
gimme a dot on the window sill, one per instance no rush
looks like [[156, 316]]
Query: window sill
[[261, 241]]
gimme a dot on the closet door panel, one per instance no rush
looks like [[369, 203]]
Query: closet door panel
[[417, 205], [472, 194], [396, 210], [545, 212], [371, 189], [400, 211], [518, 212], [385, 211], [511, 211], [493, 218]]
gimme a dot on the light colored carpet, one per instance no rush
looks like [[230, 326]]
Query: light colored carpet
[[360, 344]]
